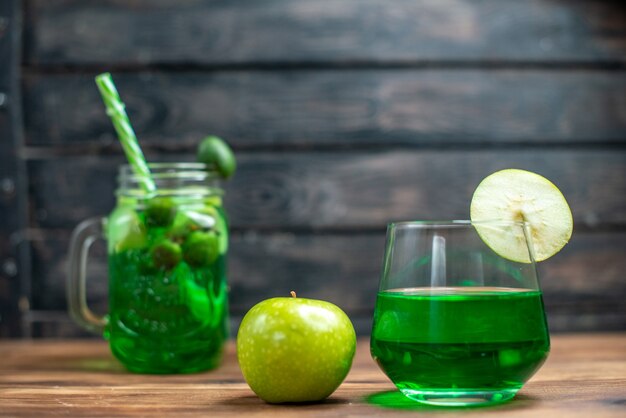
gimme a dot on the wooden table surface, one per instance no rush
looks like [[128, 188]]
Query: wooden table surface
[[585, 376]]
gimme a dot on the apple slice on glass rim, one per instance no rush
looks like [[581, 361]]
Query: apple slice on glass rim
[[519, 195]]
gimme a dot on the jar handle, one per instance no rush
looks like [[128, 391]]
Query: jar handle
[[85, 234]]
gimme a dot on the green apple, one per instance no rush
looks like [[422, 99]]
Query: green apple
[[295, 349]]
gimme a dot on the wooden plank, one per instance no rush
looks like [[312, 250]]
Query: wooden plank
[[14, 262], [332, 108], [583, 377], [220, 32], [583, 285], [348, 190]]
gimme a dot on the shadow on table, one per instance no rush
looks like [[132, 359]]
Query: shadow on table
[[249, 400], [395, 400]]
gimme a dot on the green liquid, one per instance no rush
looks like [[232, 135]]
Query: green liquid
[[165, 319], [459, 340]]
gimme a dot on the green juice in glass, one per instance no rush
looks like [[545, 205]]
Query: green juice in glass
[[167, 283], [430, 340]]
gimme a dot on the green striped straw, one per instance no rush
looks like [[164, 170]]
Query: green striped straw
[[117, 113]]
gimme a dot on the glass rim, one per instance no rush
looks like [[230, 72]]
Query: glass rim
[[169, 164], [188, 179], [455, 223], [169, 170], [183, 165]]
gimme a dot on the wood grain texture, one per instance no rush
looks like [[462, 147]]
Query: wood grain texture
[[344, 115], [583, 285], [583, 377], [14, 262], [318, 190], [333, 108], [222, 32]]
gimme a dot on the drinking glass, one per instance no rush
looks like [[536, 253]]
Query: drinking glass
[[168, 306], [455, 323]]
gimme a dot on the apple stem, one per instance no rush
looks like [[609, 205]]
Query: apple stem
[[293, 294]]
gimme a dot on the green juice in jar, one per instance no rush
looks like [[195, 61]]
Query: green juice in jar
[[430, 340], [167, 282]]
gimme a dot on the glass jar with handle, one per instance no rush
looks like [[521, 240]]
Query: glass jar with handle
[[168, 304]]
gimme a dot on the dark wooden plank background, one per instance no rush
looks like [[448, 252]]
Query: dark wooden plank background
[[345, 115], [78, 32], [14, 250], [335, 108], [349, 189]]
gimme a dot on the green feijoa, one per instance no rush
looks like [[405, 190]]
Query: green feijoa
[[160, 211], [201, 248], [214, 151], [179, 231], [166, 254], [212, 218], [186, 222]]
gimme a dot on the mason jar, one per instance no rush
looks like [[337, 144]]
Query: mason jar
[[168, 303]]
